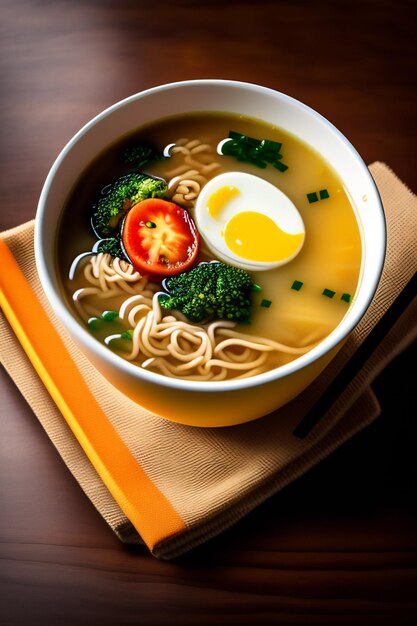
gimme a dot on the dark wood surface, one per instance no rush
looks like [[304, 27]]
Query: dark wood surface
[[339, 545]]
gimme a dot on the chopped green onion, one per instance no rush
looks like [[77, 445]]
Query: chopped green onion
[[280, 166], [297, 284], [346, 297], [312, 197], [94, 323], [269, 144], [109, 316], [258, 152], [328, 293], [150, 224], [127, 334], [250, 141], [256, 287], [266, 303]]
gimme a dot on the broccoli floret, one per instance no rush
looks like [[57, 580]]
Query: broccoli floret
[[112, 246], [210, 291], [118, 197], [141, 155]]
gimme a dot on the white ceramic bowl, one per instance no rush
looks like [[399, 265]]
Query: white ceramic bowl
[[224, 402]]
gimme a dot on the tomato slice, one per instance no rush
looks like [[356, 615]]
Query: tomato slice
[[160, 237]]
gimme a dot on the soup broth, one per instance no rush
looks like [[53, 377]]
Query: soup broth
[[294, 305]]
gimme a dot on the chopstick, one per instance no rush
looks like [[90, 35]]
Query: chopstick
[[126, 480], [357, 360]]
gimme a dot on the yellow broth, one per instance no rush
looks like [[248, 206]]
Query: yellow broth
[[329, 261]]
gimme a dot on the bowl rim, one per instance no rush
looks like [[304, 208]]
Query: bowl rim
[[83, 337]]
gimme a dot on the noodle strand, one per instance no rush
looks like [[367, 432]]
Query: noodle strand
[[170, 344]]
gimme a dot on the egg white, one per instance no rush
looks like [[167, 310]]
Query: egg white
[[255, 195]]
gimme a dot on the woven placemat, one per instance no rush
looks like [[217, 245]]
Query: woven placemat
[[213, 477]]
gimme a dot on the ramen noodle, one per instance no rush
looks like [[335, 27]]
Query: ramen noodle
[[244, 177]]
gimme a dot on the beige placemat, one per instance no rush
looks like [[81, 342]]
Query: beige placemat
[[212, 477]]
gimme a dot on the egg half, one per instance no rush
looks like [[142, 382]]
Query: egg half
[[248, 222]]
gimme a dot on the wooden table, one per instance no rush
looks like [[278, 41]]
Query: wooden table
[[339, 545]]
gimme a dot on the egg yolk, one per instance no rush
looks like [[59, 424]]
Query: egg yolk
[[256, 237], [219, 198]]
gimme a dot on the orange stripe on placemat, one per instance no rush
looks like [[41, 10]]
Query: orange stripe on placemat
[[146, 507]]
